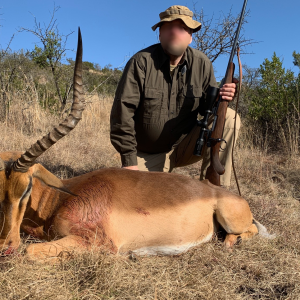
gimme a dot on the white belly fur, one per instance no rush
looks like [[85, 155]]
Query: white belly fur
[[171, 249]]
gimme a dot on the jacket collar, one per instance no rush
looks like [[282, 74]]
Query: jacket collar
[[163, 57]]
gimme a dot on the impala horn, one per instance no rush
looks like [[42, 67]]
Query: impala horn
[[27, 159]]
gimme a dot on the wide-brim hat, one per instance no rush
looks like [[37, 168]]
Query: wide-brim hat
[[178, 12]]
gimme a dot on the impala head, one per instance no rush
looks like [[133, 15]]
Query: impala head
[[18, 170]]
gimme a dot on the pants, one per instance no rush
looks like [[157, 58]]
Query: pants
[[182, 154]]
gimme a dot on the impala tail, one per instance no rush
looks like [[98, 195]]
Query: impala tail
[[262, 230]]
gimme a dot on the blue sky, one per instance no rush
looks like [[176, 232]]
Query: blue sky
[[114, 30]]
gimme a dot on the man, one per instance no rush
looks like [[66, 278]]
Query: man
[[153, 118]]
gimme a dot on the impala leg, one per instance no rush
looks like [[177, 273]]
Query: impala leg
[[66, 245], [232, 239], [234, 215]]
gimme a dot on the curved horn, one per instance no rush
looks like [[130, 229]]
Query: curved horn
[[2, 165], [28, 158]]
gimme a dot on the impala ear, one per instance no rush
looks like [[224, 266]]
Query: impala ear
[[38, 171]]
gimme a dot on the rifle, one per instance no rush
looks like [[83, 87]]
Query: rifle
[[213, 136]]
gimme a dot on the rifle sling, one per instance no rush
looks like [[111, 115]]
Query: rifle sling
[[236, 108]]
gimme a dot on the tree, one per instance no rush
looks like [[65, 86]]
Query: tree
[[51, 54], [7, 75], [217, 35], [275, 92], [296, 59], [251, 81], [274, 105]]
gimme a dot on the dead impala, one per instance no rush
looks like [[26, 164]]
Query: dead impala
[[122, 210]]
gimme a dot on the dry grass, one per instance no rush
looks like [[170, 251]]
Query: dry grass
[[85, 149], [256, 269]]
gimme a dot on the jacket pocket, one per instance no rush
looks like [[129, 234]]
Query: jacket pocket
[[152, 103], [190, 97]]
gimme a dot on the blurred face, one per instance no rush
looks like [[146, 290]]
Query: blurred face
[[175, 36]]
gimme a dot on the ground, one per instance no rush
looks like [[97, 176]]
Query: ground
[[255, 269]]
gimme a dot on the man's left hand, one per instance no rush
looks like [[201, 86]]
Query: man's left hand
[[228, 90]]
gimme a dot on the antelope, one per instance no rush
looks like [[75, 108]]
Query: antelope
[[122, 210]]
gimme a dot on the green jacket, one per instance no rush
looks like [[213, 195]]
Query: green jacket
[[152, 112]]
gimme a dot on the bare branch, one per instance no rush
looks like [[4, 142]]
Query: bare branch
[[216, 35], [54, 48]]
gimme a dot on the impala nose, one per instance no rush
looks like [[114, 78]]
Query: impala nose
[[9, 251], [8, 248]]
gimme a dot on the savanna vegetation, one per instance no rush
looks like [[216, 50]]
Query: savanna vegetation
[[35, 93]]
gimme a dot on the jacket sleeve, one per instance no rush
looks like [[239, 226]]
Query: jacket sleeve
[[127, 99], [209, 80]]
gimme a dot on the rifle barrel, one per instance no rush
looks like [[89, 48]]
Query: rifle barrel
[[233, 50]]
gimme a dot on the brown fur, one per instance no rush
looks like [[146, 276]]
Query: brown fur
[[119, 209]]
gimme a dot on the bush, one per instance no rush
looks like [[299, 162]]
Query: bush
[[273, 105]]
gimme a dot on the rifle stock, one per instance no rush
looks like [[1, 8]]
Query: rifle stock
[[216, 168]]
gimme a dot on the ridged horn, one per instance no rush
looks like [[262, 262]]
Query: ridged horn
[[28, 158], [2, 165]]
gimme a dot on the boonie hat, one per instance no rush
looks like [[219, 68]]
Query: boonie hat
[[178, 12]]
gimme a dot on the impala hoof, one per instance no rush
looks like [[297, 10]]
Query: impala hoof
[[231, 240]]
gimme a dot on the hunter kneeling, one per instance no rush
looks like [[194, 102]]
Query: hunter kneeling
[[154, 115]]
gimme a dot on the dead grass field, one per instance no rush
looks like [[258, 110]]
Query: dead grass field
[[256, 269]]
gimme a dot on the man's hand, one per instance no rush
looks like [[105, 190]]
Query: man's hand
[[131, 168], [228, 90]]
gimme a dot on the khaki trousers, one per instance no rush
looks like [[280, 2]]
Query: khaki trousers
[[182, 155]]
